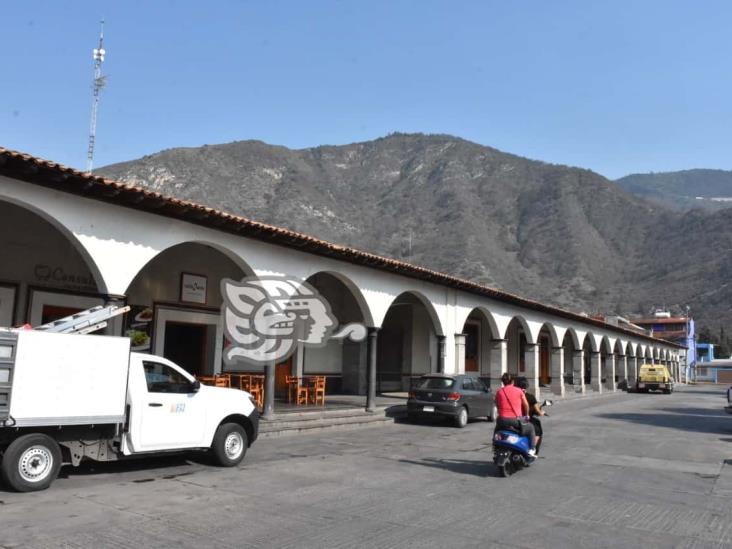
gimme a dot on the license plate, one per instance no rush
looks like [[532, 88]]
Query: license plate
[[428, 409], [641, 385]]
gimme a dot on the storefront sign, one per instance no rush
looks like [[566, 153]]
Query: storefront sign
[[57, 276], [193, 288]]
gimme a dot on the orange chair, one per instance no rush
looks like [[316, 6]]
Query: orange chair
[[318, 390], [223, 380], [245, 381], [256, 389], [207, 380], [292, 383]]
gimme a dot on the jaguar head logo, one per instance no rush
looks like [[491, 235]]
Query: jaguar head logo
[[265, 318]]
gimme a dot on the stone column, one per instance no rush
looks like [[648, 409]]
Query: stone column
[[635, 369], [558, 371], [611, 385], [625, 372], [578, 371], [499, 362], [371, 365], [269, 390], [459, 353], [531, 359], [596, 365], [441, 354]]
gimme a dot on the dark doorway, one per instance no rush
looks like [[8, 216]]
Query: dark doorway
[[186, 345], [472, 342], [544, 371]]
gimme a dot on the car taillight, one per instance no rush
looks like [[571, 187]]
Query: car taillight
[[453, 396]]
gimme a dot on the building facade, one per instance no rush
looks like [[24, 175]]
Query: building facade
[[71, 241]]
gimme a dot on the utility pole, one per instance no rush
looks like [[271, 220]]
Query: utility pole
[[97, 85]]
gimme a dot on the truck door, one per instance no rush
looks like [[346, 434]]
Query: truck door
[[166, 412]]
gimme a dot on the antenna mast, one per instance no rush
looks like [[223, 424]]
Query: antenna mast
[[97, 85]]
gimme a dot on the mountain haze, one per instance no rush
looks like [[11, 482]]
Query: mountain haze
[[684, 190], [562, 235]]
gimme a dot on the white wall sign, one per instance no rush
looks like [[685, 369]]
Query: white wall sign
[[193, 288]]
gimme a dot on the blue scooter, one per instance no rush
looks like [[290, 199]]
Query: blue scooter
[[511, 450]]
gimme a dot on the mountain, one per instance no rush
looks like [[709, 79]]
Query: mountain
[[684, 190], [562, 235]]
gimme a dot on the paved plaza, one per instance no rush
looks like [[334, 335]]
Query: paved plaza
[[623, 470]]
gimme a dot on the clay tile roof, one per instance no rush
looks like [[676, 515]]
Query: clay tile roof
[[31, 169]]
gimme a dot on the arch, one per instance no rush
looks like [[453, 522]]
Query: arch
[[552, 333], [593, 342], [575, 339], [619, 347], [605, 346], [486, 315], [86, 256], [355, 292], [434, 317], [630, 348], [408, 342], [523, 324]]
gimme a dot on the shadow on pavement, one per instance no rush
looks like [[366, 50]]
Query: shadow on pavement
[[706, 412], [482, 468], [190, 461], [715, 424]]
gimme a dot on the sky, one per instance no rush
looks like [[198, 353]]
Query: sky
[[617, 87]]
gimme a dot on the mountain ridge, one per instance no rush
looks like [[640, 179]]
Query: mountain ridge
[[559, 234]]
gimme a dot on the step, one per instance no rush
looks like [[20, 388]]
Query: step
[[285, 424]]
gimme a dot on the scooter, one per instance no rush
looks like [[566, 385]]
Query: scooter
[[511, 450]]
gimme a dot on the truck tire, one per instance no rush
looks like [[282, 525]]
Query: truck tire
[[230, 444], [31, 463]]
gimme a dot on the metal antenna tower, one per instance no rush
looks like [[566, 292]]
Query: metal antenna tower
[[98, 84]]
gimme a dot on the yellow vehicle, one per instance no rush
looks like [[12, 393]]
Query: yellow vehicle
[[654, 377]]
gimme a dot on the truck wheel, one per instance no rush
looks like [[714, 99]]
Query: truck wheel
[[31, 463], [229, 444]]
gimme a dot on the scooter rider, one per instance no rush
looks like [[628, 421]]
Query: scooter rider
[[513, 410], [535, 410]]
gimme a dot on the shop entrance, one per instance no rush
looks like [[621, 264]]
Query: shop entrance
[[472, 346], [193, 339], [187, 345]]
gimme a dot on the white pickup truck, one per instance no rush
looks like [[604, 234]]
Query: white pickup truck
[[64, 398]]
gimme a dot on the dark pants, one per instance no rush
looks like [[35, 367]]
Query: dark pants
[[525, 429]]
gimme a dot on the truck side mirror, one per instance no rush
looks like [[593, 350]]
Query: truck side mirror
[[195, 386]]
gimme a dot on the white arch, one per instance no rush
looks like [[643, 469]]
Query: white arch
[[553, 333], [355, 291], [79, 246], [484, 312], [434, 317]]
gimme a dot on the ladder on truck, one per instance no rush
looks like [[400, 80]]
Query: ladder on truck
[[84, 322]]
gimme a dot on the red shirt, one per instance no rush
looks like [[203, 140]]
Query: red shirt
[[508, 401]]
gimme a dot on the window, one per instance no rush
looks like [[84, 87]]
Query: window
[[436, 383], [164, 379], [469, 384]]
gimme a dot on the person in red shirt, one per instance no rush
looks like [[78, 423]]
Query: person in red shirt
[[513, 408]]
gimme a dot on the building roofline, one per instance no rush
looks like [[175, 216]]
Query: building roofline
[[52, 175]]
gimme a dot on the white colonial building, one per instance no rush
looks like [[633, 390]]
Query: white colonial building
[[70, 240]]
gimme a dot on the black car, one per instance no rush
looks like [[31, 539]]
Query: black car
[[458, 396]]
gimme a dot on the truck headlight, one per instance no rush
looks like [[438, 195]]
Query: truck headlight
[[6, 351]]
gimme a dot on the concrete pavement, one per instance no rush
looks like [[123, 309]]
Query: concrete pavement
[[630, 470]]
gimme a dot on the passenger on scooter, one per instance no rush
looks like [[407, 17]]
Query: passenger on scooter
[[535, 410], [513, 408]]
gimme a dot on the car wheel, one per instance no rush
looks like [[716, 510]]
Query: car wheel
[[229, 444], [461, 419], [31, 463], [412, 417], [494, 414]]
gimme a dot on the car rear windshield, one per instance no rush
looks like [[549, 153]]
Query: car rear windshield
[[436, 383]]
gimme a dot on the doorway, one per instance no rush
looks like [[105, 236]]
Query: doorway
[[472, 347], [191, 338], [187, 345], [544, 371]]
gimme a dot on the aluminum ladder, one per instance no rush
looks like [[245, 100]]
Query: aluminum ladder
[[84, 322]]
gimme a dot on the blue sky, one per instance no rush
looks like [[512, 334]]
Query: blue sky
[[618, 87]]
